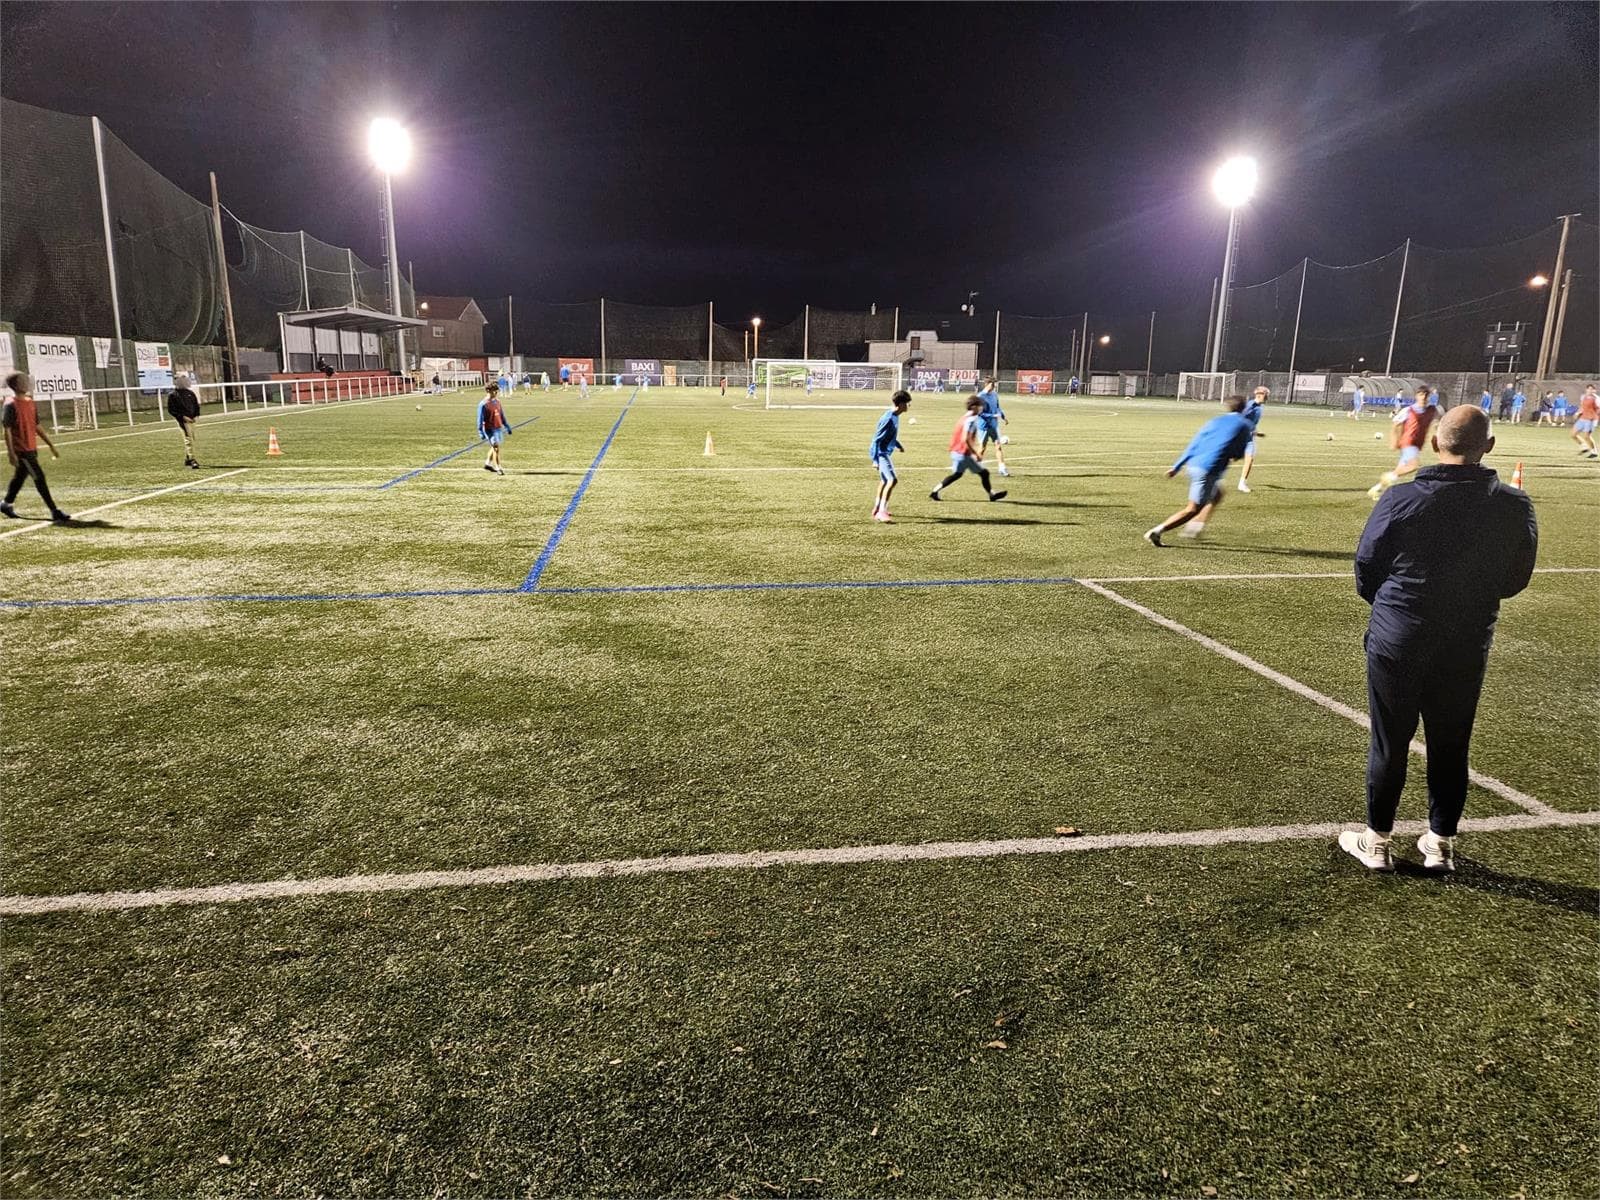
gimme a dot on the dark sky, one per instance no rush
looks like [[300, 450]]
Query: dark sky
[[765, 156]]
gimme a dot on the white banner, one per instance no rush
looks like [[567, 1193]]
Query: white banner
[[107, 354], [1310, 383], [53, 363], [155, 365], [8, 358]]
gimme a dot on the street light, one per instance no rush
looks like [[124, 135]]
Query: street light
[[1105, 340], [1538, 281], [389, 145], [756, 324], [1234, 185]]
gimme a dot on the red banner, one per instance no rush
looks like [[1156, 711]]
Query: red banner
[[1029, 382], [580, 368]]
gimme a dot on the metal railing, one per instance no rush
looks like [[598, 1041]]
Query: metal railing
[[94, 403]]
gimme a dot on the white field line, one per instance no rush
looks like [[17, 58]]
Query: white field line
[[1350, 574], [413, 881], [1487, 782], [100, 508], [233, 419]]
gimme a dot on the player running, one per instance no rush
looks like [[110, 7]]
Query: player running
[[992, 416], [885, 441], [1206, 458], [1252, 413], [1583, 427], [1409, 435], [19, 417], [493, 427], [966, 452]]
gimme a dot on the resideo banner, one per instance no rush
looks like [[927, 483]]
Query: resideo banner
[[580, 368], [963, 377], [53, 363], [640, 369], [1034, 381], [927, 379], [155, 365]]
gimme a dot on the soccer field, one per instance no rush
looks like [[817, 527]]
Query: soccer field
[[651, 823]]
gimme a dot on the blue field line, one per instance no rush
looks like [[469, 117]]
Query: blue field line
[[398, 479], [539, 564], [807, 585]]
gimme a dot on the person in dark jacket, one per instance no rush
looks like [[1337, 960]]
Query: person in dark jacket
[[184, 408], [1435, 560]]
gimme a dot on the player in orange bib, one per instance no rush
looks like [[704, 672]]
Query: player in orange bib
[[966, 452], [1409, 436], [1583, 427]]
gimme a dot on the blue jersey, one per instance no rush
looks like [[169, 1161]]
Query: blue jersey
[[1220, 441], [991, 403], [886, 439], [1252, 413]]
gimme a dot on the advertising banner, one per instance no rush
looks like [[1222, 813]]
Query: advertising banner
[[155, 365], [107, 354], [857, 379], [927, 379], [1034, 382], [53, 363], [8, 354], [580, 368], [640, 369], [963, 377], [669, 375], [1310, 383]]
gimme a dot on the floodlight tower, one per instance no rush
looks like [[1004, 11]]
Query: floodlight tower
[[755, 323], [1105, 340], [1234, 184], [389, 144]]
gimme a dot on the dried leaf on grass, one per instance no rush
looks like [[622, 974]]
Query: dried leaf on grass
[[1068, 831]]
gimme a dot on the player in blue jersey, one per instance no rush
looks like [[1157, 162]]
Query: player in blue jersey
[[1486, 402], [616, 381], [1358, 401], [992, 416], [1518, 402], [1206, 458], [1252, 413], [885, 441]]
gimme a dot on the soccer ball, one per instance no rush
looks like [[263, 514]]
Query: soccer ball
[[1005, 440], [1377, 437], [913, 420], [1330, 437], [419, 408]]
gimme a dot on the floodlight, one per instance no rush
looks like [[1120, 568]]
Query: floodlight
[[756, 321], [1538, 281], [1105, 339], [1235, 181], [389, 145]]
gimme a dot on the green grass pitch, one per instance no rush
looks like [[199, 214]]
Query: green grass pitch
[[327, 666]]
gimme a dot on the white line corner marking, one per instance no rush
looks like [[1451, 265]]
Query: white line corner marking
[[1487, 782]]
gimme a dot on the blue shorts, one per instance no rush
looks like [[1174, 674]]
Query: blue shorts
[[495, 438], [1409, 455], [1250, 448], [1582, 426], [991, 429], [885, 468], [1205, 486], [962, 463]]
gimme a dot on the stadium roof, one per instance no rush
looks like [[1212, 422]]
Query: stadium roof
[[353, 317], [451, 308]]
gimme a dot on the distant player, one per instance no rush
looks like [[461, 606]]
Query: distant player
[[724, 385], [544, 380], [493, 427], [616, 382], [885, 441], [966, 452], [750, 391], [184, 408], [1486, 402], [1206, 458], [809, 382], [1252, 413], [1518, 402], [20, 420], [992, 416], [1560, 407], [1358, 401], [566, 375], [1545, 414], [583, 384], [1033, 387], [1409, 435], [1583, 427]]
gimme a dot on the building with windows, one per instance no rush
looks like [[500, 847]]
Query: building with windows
[[454, 327]]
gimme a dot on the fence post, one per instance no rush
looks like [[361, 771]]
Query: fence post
[[711, 344], [805, 335], [305, 288], [111, 257]]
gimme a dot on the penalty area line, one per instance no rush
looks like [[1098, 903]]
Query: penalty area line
[[1487, 782], [414, 881]]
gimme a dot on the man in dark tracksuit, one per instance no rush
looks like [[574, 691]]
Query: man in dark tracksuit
[[1437, 557], [184, 407]]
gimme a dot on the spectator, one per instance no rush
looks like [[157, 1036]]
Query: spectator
[[184, 408], [1435, 560]]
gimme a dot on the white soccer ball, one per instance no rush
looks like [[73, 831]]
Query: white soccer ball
[[1330, 437], [1377, 437], [913, 420], [419, 408], [1005, 440]]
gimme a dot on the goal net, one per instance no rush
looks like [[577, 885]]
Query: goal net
[[824, 383], [1201, 385]]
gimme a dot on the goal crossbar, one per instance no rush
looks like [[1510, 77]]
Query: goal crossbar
[[825, 382]]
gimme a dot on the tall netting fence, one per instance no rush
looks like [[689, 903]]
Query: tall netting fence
[[649, 331]]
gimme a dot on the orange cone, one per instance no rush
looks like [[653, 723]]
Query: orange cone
[[272, 444], [1516, 477], [711, 446]]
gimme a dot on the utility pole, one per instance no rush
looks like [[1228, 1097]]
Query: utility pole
[[511, 334], [1294, 346], [1150, 352], [222, 273], [1394, 328], [1550, 309], [1561, 321]]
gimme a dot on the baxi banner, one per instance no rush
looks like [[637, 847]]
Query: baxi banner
[[1034, 383], [53, 363], [927, 379], [581, 368], [155, 365], [641, 369]]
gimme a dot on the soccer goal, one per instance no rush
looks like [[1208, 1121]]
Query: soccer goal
[[824, 383], [1201, 385]]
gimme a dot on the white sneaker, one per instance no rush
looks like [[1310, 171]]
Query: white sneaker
[[1371, 851], [1153, 536], [1243, 486], [1438, 853], [1005, 472]]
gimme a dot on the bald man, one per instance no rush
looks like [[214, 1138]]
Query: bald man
[[1435, 561]]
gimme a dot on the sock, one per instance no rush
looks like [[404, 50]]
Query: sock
[[1377, 839]]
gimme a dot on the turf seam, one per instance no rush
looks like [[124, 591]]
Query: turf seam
[[1487, 782], [894, 852]]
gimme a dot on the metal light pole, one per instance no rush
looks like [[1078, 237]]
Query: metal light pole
[[755, 323], [390, 147], [1561, 322], [1550, 308], [1105, 340], [1234, 184]]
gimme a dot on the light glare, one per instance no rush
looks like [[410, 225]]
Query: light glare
[[1235, 181], [389, 145], [1105, 339], [1537, 281]]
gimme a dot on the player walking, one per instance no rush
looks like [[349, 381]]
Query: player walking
[[1206, 458], [20, 419], [885, 441], [493, 427], [966, 452], [184, 408], [1409, 435], [1358, 401], [1252, 413], [1518, 401], [992, 416], [1583, 427]]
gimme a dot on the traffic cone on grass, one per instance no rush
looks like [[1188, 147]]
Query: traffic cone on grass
[[273, 450], [711, 446], [1516, 478]]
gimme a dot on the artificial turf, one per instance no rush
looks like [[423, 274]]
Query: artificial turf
[[1254, 1019]]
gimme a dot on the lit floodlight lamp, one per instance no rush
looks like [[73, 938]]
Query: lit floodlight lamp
[[1235, 181], [1538, 281], [1105, 339], [756, 321], [389, 145]]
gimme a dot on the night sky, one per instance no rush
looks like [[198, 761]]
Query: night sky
[[766, 156]]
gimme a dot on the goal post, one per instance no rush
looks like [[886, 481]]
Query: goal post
[[825, 382], [1201, 385]]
